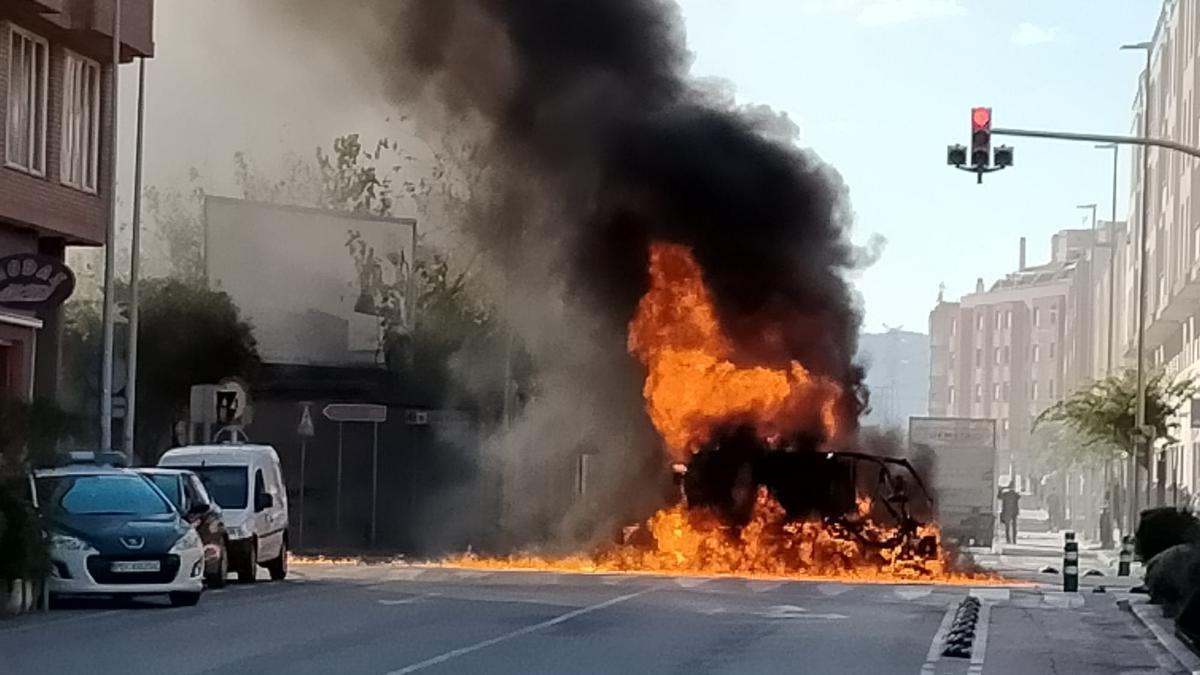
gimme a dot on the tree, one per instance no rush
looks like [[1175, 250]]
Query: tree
[[1103, 413], [188, 335]]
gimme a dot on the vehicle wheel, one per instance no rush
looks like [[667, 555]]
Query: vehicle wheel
[[278, 566], [248, 568], [182, 599], [217, 578]]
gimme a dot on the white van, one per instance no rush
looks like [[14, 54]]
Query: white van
[[246, 482]]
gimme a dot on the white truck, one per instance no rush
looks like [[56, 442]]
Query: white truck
[[964, 475]]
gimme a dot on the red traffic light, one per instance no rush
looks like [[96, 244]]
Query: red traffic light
[[981, 118]]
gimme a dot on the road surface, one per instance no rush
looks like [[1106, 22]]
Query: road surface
[[380, 620]]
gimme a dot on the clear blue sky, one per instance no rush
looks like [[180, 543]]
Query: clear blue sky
[[880, 87]]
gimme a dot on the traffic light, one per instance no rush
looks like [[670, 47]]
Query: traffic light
[[1003, 156], [956, 155], [981, 137]]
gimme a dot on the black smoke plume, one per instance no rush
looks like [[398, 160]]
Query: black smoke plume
[[598, 143]]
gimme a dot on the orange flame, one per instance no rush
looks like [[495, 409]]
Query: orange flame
[[679, 540], [693, 383]]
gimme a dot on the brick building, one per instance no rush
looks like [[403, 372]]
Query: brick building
[[56, 155], [1006, 352]]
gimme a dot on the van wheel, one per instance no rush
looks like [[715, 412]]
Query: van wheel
[[248, 567], [217, 578], [184, 599], [279, 566]]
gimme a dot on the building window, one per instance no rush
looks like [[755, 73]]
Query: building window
[[996, 355], [979, 393], [1008, 319], [950, 395], [1037, 317], [81, 123], [999, 320], [1051, 388], [1037, 352], [1007, 355], [951, 360], [1035, 391], [979, 322], [1003, 426], [1051, 349], [978, 357], [25, 133], [995, 392], [953, 326], [1053, 317]]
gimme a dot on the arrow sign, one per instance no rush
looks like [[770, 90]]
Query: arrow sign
[[355, 412], [305, 428]]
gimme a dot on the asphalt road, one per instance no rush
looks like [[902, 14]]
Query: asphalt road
[[392, 620]]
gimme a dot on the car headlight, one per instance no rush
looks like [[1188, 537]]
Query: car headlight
[[65, 542], [238, 531], [187, 542]]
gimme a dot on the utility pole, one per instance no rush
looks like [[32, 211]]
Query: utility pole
[[1141, 443], [135, 270], [110, 247]]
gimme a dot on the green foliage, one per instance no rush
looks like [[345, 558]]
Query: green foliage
[[1103, 413], [24, 550], [30, 433], [188, 335]]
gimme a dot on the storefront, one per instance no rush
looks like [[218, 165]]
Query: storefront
[[31, 285]]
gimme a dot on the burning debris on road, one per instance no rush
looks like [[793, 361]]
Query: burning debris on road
[[634, 213]]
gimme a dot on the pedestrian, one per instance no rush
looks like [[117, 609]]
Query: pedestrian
[[1054, 510], [1010, 509]]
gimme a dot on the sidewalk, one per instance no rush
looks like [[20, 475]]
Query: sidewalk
[[1037, 551]]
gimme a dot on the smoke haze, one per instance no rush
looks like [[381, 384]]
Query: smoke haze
[[597, 143]]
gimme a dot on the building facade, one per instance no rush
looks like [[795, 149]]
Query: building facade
[[56, 158], [1173, 232], [1005, 352]]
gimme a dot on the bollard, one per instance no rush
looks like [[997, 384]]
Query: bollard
[[1126, 558], [1070, 564]]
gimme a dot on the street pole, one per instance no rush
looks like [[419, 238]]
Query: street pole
[[110, 247], [1143, 229], [135, 269], [303, 483], [374, 478], [337, 508], [1122, 518]]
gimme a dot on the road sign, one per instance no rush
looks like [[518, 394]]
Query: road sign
[[305, 429], [355, 412]]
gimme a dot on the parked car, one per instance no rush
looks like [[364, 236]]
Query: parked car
[[112, 533], [186, 491], [246, 482]]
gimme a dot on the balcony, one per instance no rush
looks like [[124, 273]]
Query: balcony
[[93, 20]]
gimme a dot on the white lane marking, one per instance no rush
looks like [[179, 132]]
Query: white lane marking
[[912, 592], [994, 594], [455, 653], [935, 647], [408, 601], [794, 612], [979, 646], [834, 589], [763, 586]]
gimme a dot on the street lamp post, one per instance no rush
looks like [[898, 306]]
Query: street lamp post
[[1111, 244], [1140, 442]]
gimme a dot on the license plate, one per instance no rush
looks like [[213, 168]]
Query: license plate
[[137, 566]]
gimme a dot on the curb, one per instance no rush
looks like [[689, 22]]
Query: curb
[[1145, 614]]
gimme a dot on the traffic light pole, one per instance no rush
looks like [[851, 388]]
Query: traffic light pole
[[1100, 138]]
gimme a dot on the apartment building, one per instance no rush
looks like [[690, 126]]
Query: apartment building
[[57, 156], [1173, 228], [1003, 352]]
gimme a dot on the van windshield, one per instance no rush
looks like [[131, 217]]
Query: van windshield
[[227, 485]]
